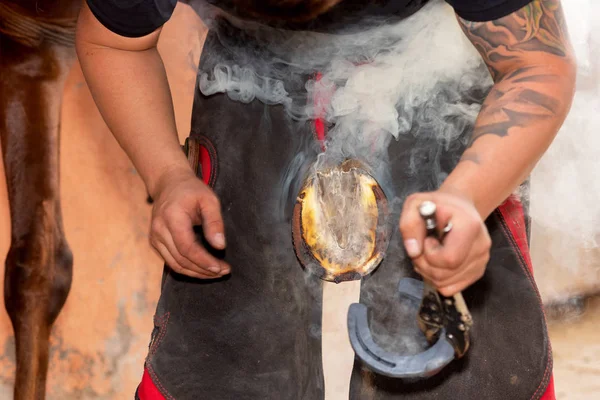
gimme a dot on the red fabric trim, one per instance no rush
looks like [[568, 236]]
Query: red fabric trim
[[514, 217], [206, 164], [209, 162], [512, 211], [147, 390], [549, 394], [320, 130], [320, 105]]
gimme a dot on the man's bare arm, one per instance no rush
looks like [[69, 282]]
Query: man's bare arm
[[531, 61], [129, 84]]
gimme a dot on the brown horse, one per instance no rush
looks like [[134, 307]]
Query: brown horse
[[36, 53]]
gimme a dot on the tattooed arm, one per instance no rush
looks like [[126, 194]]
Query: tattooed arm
[[530, 58], [531, 61]]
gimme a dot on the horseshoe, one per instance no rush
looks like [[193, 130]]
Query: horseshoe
[[445, 322]]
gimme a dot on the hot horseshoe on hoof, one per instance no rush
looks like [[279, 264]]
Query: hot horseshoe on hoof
[[445, 322], [339, 223]]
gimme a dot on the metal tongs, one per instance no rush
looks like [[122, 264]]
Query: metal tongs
[[445, 322]]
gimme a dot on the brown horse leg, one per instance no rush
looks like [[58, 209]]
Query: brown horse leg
[[39, 263]]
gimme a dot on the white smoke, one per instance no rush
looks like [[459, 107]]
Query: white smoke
[[377, 83], [368, 72], [420, 76], [565, 186], [380, 82]]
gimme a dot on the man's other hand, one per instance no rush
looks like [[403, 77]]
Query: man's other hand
[[461, 259], [181, 202]]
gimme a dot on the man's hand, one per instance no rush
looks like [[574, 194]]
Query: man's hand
[[138, 109], [461, 259], [181, 200]]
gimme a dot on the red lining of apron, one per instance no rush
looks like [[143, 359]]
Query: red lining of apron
[[514, 219], [512, 211], [205, 163], [319, 103], [147, 390], [208, 160]]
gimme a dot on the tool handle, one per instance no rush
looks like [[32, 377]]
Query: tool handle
[[456, 316], [428, 213]]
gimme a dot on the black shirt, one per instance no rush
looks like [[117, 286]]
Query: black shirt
[[135, 18]]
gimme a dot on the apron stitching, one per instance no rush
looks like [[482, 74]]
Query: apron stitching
[[155, 379], [162, 323], [213, 164], [509, 236]]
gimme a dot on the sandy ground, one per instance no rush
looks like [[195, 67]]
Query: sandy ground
[[100, 339], [576, 346]]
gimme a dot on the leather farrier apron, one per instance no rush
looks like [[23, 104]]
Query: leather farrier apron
[[256, 334]]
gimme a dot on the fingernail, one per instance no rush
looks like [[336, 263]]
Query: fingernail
[[219, 240], [412, 247], [215, 269]]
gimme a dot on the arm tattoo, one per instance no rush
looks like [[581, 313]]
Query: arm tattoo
[[537, 27], [517, 50]]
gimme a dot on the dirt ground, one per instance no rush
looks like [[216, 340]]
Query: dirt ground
[[101, 337], [576, 346]]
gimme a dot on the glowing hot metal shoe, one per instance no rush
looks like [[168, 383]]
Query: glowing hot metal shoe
[[339, 223]]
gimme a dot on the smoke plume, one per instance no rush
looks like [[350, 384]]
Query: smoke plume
[[419, 77], [565, 187], [376, 86]]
